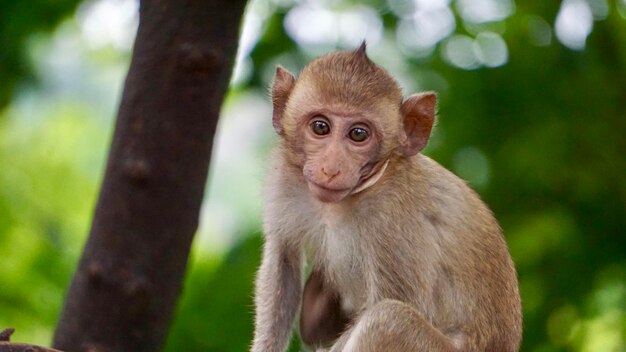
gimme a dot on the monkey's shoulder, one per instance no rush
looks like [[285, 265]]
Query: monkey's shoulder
[[423, 183], [426, 195]]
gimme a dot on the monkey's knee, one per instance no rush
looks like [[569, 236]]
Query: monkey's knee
[[382, 327], [391, 311], [392, 325]]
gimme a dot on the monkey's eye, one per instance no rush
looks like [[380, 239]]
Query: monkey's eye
[[358, 134], [320, 127]]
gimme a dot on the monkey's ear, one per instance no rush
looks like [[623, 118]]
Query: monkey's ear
[[418, 112], [281, 89]]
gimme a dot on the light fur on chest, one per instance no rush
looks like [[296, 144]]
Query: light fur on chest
[[334, 246]]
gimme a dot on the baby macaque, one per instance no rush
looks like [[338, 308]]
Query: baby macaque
[[401, 254]]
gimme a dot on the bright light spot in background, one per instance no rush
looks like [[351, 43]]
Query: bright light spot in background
[[250, 34], [284, 3], [472, 165], [458, 51], [233, 202], [424, 23], [574, 23], [539, 31], [358, 24], [406, 9], [488, 49], [68, 70], [109, 22], [63, 62], [430, 4], [602, 331], [480, 11], [428, 25], [491, 49], [313, 26]]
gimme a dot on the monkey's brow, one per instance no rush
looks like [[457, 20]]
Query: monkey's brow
[[343, 112]]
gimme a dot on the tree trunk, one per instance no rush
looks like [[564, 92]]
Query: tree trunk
[[129, 277]]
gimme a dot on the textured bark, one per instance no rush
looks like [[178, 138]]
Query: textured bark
[[129, 277]]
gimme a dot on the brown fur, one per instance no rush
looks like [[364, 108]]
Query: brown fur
[[416, 261]]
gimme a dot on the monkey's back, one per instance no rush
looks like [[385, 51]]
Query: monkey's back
[[464, 269]]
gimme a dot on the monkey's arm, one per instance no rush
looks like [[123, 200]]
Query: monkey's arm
[[392, 325], [277, 297]]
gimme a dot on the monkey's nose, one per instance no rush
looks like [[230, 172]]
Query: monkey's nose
[[330, 172]]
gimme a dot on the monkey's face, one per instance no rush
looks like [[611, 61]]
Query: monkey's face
[[340, 153], [343, 118]]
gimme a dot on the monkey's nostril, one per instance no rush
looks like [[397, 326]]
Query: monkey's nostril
[[329, 172]]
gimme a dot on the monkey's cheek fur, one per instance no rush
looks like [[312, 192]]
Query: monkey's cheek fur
[[327, 195]]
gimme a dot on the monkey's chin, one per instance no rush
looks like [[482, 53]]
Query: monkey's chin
[[327, 195]]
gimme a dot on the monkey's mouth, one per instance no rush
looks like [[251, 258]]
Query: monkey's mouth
[[328, 195], [334, 195]]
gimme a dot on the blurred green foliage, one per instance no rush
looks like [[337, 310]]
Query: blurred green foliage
[[542, 137], [19, 21]]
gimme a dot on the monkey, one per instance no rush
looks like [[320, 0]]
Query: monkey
[[402, 254]]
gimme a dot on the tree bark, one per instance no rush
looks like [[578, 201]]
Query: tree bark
[[129, 277]]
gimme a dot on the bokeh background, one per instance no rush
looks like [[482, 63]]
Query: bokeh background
[[532, 113]]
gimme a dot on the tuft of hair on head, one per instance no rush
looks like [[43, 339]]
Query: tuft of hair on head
[[350, 77], [360, 56], [362, 49]]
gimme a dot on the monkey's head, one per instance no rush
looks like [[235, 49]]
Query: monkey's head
[[344, 118]]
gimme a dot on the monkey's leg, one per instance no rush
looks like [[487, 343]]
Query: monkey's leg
[[392, 325]]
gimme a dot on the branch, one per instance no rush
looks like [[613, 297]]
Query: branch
[[6, 346], [22, 347]]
